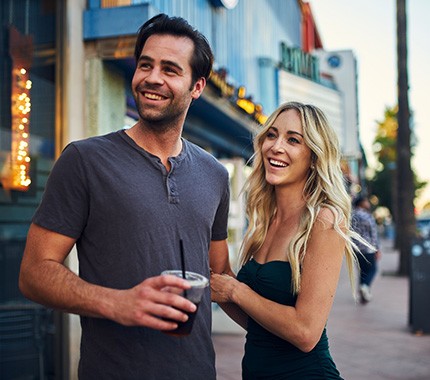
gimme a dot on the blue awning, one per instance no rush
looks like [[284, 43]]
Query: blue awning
[[116, 21]]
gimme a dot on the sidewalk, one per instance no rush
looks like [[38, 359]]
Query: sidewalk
[[370, 341]]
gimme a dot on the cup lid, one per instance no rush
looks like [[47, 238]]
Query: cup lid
[[195, 279]]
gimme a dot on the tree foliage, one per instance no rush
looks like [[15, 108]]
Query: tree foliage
[[382, 184]]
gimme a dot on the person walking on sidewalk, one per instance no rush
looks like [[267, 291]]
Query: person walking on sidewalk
[[364, 224], [126, 199], [299, 232]]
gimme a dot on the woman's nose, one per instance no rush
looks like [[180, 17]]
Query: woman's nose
[[278, 146]]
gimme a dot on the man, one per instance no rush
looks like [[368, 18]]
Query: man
[[127, 199], [364, 224]]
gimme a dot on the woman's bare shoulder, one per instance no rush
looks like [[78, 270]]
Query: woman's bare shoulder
[[328, 217]]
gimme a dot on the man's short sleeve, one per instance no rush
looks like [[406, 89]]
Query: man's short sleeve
[[65, 202]]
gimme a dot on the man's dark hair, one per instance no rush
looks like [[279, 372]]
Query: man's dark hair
[[202, 57]]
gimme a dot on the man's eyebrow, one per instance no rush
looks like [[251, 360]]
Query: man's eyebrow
[[172, 63], [145, 58], [165, 62]]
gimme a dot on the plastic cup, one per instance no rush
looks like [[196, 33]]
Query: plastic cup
[[194, 294]]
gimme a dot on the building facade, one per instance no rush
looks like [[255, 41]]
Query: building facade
[[66, 72]]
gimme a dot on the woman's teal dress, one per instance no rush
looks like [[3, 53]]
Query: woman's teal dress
[[266, 355]]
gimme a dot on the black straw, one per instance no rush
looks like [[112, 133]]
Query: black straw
[[182, 258], [181, 243]]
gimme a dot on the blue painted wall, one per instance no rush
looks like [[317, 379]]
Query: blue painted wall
[[241, 36]]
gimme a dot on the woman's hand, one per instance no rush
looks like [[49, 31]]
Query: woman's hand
[[222, 286]]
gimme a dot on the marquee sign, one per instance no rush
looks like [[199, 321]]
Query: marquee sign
[[298, 62], [236, 95]]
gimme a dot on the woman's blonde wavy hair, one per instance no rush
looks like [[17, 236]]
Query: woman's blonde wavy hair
[[324, 188]]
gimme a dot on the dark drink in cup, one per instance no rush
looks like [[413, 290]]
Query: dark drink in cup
[[184, 328], [194, 294]]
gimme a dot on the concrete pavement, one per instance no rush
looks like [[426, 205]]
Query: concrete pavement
[[372, 342]]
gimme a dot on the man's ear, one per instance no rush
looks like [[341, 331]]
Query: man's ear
[[198, 88]]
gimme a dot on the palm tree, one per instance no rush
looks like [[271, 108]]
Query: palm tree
[[405, 185]]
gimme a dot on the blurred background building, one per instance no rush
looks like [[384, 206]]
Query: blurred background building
[[66, 71]]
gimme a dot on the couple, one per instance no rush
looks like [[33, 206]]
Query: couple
[[127, 198]]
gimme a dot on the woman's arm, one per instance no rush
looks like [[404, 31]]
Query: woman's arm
[[303, 324], [220, 265], [221, 288], [235, 313]]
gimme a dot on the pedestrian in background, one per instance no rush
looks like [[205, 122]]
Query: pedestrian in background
[[364, 224], [126, 199], [299, 233]]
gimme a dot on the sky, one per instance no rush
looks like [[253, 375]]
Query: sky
[[368, 28]]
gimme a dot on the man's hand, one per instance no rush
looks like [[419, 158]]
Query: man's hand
[[153, 304]]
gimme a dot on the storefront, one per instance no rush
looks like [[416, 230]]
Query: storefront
[[57, 87], [29, 56]]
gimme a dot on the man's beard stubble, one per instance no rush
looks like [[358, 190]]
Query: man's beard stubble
[[161, 120]]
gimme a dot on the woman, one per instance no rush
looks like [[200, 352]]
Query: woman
[[299, 218]]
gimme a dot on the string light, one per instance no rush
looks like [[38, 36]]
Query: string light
[[21, 109]]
